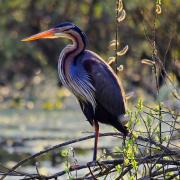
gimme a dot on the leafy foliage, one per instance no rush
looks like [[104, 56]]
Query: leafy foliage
[[22, 18]]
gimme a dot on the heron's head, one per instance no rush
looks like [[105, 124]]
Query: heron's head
[[64, 30]]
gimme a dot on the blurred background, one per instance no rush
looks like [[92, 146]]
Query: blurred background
[[34, 108]]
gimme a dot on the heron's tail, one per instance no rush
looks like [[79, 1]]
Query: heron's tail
[[121, 128], [120, 124]]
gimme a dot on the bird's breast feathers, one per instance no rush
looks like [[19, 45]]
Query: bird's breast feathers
[[81, 84]]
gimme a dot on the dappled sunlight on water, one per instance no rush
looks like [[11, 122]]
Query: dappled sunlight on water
[[30, 131], [26, 132]]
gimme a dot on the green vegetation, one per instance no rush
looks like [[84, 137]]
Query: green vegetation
[[138, 38], [26, 66]]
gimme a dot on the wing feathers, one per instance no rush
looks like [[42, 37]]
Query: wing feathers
[[108, 91]]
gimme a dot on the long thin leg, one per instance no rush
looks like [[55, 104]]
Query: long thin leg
[[96, 126]]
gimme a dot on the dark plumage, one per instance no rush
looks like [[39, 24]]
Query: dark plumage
[[89, 78], [110, 105]]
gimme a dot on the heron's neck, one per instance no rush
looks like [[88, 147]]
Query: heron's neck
[[68, 56], [78, 45], [72, 50]]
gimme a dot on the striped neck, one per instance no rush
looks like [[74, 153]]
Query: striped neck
[[79, 41], [68, 56]]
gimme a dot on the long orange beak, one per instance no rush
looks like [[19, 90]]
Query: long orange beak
[[46, 34]]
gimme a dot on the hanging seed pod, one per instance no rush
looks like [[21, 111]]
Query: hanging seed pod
[[112, 44], [147, 62], [120, 68], [111, 60], [123, 51], [120, 6], [122, 16], [158, 9]]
